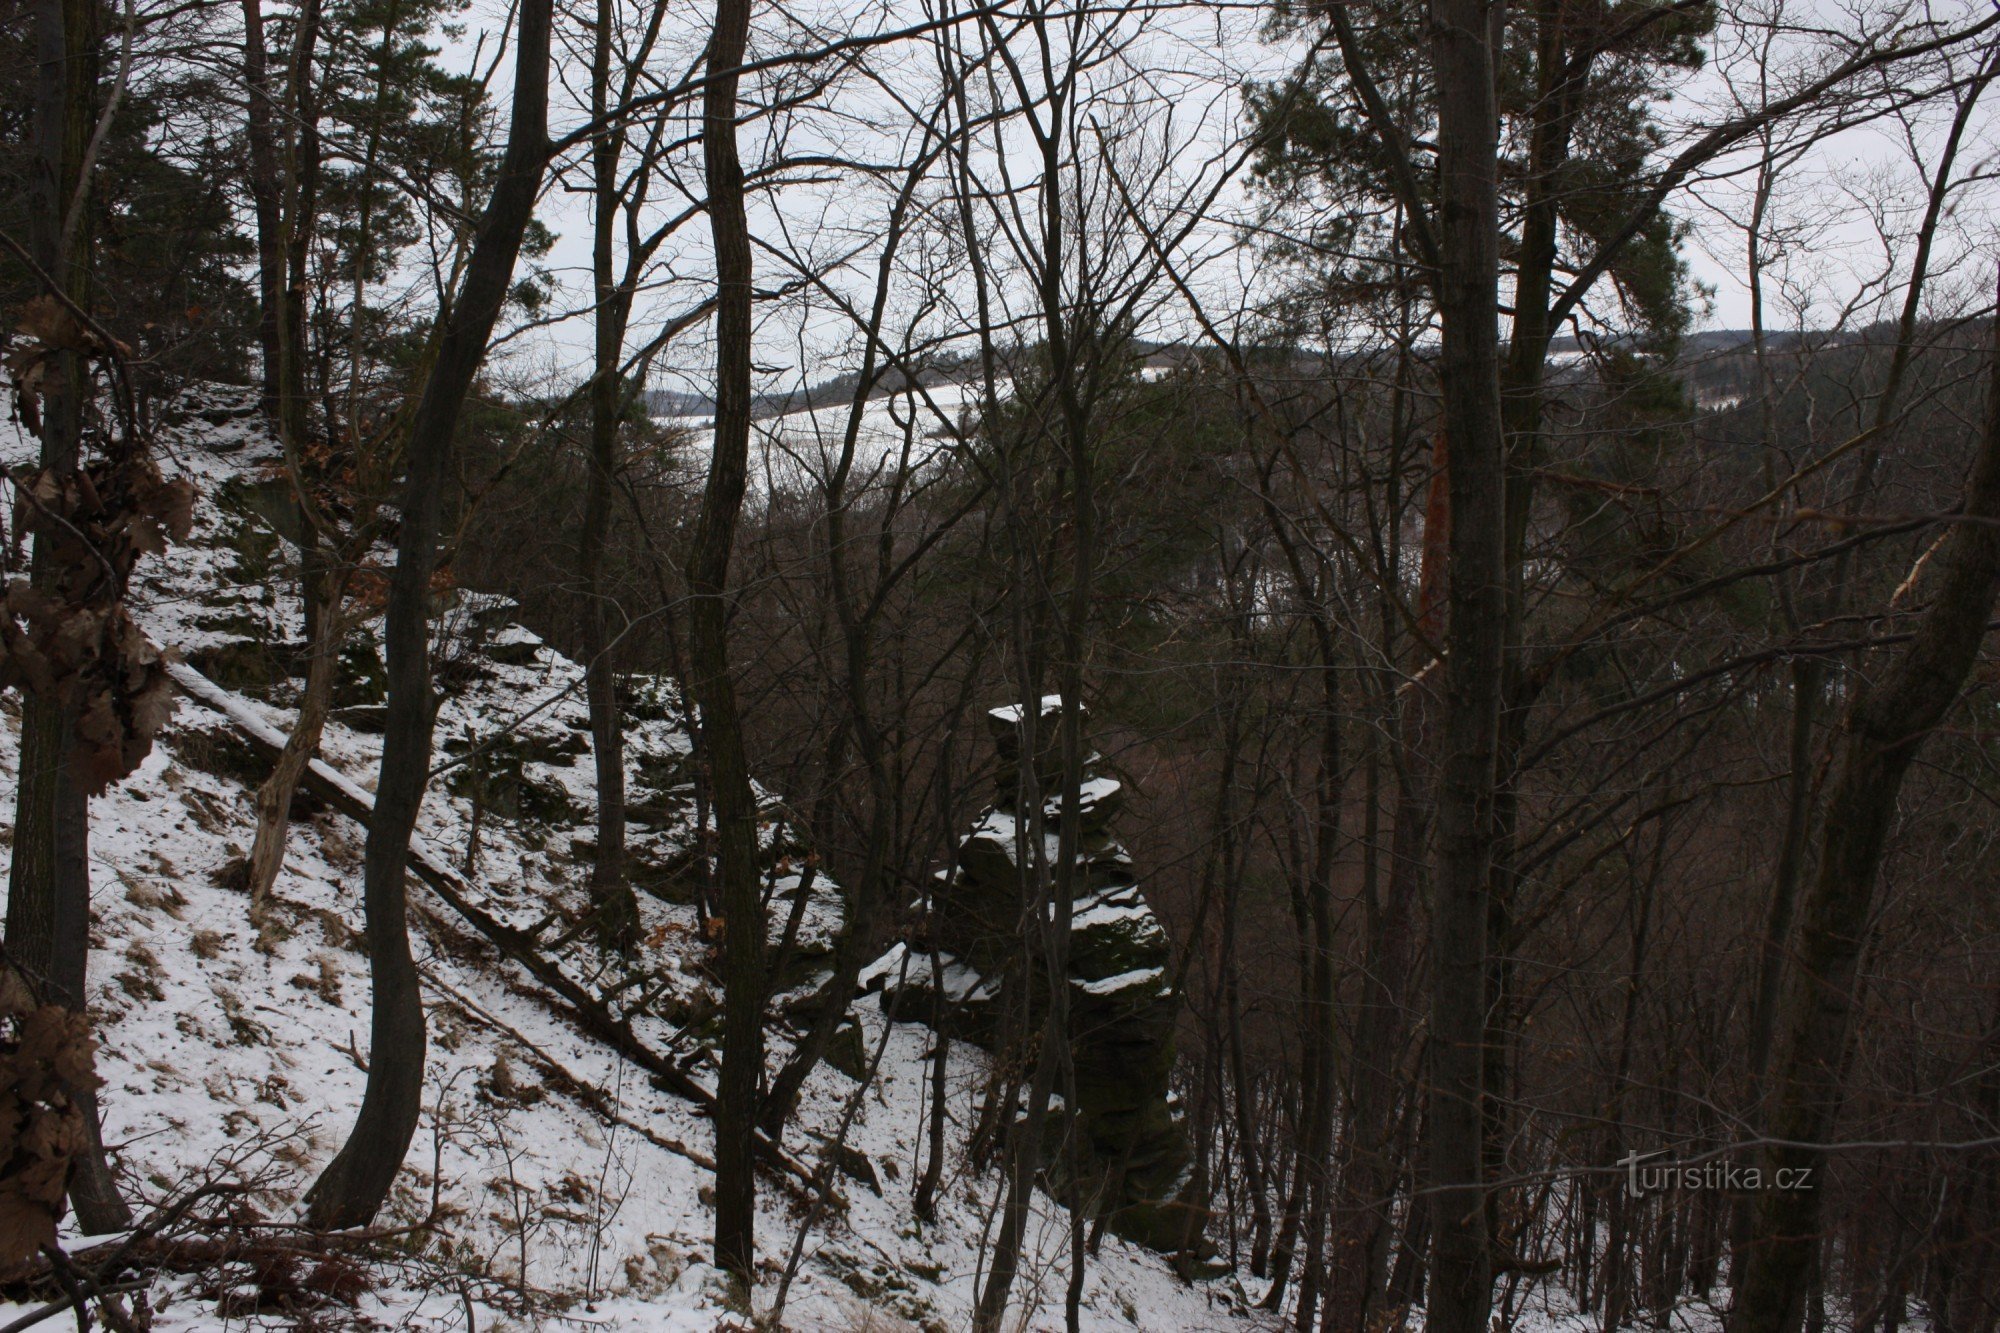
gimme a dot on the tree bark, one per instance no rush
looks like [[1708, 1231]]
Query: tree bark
[[354, 1184], [286, 198], [1463, 40], [297, 212], [324, 590], [708, 659], [48, 902], [1316, 1156], [266, 191], [1051, 900], [1381, 1031], [617, 911]]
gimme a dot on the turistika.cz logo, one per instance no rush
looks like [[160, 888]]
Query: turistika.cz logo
[[1736, 1177]]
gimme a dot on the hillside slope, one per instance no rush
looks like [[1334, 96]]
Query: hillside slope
[[555, 1176]]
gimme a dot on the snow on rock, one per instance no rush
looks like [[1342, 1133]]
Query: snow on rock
[[1136, 1151], [1011, 714], [1143, 976]]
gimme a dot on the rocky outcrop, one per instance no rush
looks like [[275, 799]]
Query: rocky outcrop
[[512, 809], [1122, 1004]]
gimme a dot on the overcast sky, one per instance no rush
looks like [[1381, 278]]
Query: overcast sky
[[1835, 203]]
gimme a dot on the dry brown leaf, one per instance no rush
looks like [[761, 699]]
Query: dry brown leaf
[[45, 1055]]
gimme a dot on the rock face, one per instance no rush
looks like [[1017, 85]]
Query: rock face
[[1122, 1004]]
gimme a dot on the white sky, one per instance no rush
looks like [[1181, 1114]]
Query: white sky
[[1832, 207]]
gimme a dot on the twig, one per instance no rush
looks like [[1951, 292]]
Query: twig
[[560, 1076], [54, 1308]]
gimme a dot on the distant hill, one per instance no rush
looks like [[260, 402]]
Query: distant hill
[[1696, 353]]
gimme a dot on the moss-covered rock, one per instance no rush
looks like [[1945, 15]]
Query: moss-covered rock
[[1113, 933], [268, 503], [956, 998], [222, 751], [664, 870]]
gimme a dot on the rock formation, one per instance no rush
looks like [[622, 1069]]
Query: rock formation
[[1122, 1004]]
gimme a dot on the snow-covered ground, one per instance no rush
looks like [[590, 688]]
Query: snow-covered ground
[[801, 450], [561, 1185]]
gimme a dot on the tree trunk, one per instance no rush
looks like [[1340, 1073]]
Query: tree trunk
[[708, 660], [1560, 80], [324, 592], [1808, 679], [351, 1189], [1316, 1161], [48, 903], [266, 191], [286, 201], [855, 610], [1243, 1098], [297, 213], [1380, 1035], [1463, 40], [1808, 682], [1052, 900], [1879, 738], [617, 911]]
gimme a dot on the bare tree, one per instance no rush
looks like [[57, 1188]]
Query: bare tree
[[354, 1185], [1884, 728], [708, 659], [48, 887]]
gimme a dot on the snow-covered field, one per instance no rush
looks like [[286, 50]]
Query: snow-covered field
[[800, 450], [560, 1186]]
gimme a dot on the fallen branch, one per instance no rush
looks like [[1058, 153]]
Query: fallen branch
[[561, 1078], [68, 1303]]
